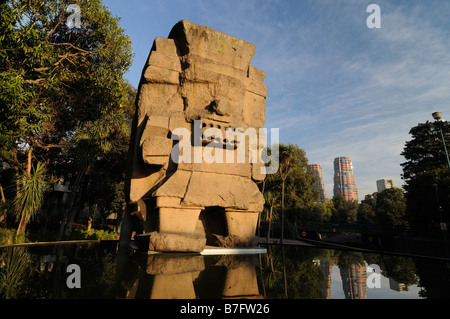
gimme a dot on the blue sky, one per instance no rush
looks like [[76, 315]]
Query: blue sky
[[335, 87]]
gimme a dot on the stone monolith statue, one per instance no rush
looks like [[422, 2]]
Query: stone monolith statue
[[194, 161]]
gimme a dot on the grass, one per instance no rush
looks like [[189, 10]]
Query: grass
[[8, 235]]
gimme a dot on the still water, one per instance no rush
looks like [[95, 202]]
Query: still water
[[104, 272]]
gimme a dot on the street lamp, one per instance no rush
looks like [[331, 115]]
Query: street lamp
[[440, 123], [442, 224]]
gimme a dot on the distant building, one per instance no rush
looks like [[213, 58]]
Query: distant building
[[344, 180], [320, 185], [327, 269], [383, 184], [395, 285], [354, 281]]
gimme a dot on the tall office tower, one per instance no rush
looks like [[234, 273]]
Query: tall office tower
[[344, 181], [327, 268], [383, 184], [320, 185], [354, 281]]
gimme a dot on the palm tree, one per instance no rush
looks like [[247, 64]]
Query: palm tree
[[30, 195], [288, 161], [14, 271], [92, 141], [271, 201]]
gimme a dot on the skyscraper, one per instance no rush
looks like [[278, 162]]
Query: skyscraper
[[354, 281], [320, 185], [327, 268], [344, 180], [383, 184]]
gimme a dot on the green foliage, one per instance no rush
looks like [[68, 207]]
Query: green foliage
[[299, 195], [14, 271], [296, 277], [58, 82], [64, 98], [366, 210], [30, 194], [391, 208], [424, 169], [424, 152], [386, 208], [344, 211], [99, 234], [401, 269], [321, 212], [9, 236]]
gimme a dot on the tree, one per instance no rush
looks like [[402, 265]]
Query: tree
[[293, 182], [367, 209], [344, 211], [288, 161], [321, 212], [271, 202], [425, 167], [391, 207], [60, 84], [30, 196]]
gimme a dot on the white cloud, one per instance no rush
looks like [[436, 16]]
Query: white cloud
[[335, 87]]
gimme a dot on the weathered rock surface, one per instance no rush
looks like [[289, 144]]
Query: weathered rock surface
[[176, 242], [197, 73]]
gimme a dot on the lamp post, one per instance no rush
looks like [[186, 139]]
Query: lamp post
[[439, 123], [443, 225]]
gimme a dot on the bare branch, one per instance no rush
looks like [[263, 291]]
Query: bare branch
[[74, 47], [37, 81], [41, 69], [59, 22]]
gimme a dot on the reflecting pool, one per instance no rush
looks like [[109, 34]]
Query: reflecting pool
[[106, 271]]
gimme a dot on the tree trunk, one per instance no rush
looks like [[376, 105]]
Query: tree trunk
[[64, 227], [282, 210], [284, 274], [30, 152], [23, 218], [22, 224], [89, 226], [270, 223], [3, 215]]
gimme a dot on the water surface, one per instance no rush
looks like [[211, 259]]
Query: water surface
[[284, 272]]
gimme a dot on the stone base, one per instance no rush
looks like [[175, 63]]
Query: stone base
[[231, 241], [176, 242], [241, 223]]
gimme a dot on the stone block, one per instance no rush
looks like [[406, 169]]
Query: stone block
[[178, 220], [175, 186], [241, 281], [176, 242], [158, 264], [212, 44], [155, 74], [158, 99], [157, 146], [242, 224], [165, 46], [254, 109], [256, 87], [173, 286], [256, 74], [164, 61]]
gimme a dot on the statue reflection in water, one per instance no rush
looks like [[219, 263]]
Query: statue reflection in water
[[187, 276]]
